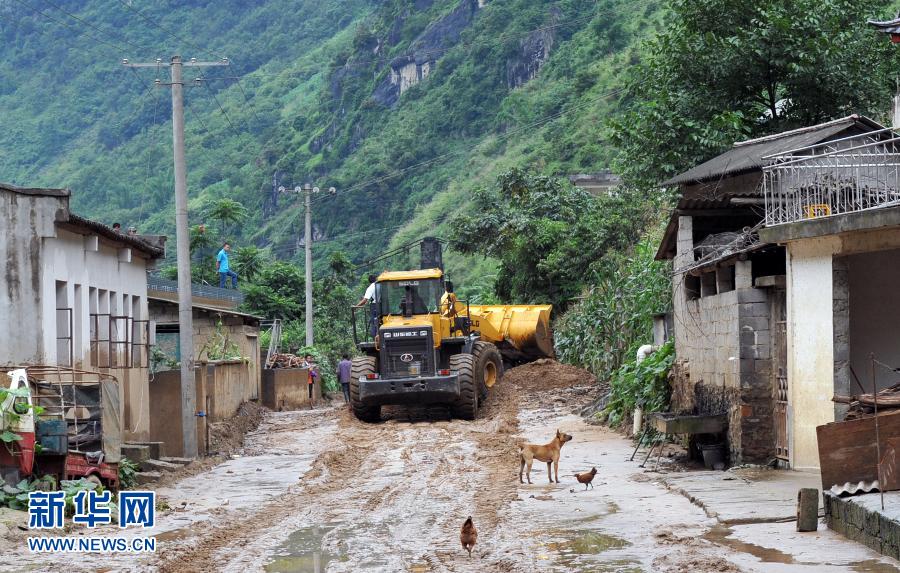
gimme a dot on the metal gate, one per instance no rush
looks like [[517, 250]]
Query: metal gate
[[779, 361]]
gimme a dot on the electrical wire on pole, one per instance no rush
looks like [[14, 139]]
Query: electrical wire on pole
[[308, 191], [182, 237]]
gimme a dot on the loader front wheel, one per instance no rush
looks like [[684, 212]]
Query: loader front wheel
[[466, 407], [362, 366], [488, 366]]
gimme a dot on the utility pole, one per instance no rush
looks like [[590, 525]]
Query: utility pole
[[182, 251], [308, 265], [308, 191], [892, 29]]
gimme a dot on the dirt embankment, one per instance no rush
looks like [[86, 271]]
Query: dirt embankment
[[225, 438]]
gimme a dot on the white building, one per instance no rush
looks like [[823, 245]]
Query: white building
[[74, 293], [835, 206]]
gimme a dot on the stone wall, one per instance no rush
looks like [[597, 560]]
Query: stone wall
[[840, 294], [859, 519]]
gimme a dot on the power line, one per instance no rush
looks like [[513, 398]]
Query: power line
[[155, 24], [292, 249], [244, 106], [154, 89], [117, 47], [470, 45], [97, 28], [190, 44], [222, 109], [447, 155]]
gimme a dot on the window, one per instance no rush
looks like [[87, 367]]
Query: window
[[691, 287], [63, 325], [424, 295]]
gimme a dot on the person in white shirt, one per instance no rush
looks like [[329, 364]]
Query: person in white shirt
[[369, 298]]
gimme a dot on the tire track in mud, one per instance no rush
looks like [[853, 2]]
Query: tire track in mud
[[394, 494]]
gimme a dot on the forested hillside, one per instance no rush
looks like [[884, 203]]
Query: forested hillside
[[485, 86], [454, 118]]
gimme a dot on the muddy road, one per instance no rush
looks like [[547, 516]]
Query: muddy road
[[319, 491]]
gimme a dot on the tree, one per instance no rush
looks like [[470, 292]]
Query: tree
[[757, 67], [227, 211], [277, 292], [546, 233], [201, 239], [249, 261]]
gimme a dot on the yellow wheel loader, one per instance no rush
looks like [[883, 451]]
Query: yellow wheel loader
[[423, 346]]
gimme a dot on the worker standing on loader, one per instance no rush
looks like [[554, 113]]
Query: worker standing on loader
[[448, 301], [369, 298]]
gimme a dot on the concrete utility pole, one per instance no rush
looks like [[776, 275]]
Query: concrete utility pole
[[182, 237], [308, 265], [308, 191], [892, 29]]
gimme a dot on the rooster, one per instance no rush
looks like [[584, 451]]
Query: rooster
[[468, 535], [586, 478]]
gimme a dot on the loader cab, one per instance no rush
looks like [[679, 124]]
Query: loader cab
[[409, 297]]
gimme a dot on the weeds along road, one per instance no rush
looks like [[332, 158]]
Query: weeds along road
[[319, 491]]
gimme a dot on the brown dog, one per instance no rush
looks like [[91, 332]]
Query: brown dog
[[546, 453]]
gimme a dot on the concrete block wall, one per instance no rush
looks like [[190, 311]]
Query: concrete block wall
[[755, 422], [723, 346]]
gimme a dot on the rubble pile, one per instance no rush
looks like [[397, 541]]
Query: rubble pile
[[863, 405], [286, 361]]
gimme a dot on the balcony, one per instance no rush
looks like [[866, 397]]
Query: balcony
[[845, 175], [202, 293]]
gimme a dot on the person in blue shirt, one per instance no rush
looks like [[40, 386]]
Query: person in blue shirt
[[344, 369], [223, 268]]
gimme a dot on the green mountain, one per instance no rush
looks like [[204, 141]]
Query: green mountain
[[404, 106]]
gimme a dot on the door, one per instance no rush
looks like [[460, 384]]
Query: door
[[779, 372]]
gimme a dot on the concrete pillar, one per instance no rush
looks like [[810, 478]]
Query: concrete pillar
[[684, 244], [743, 274], [725, 279], [708, 284], [840, 293]]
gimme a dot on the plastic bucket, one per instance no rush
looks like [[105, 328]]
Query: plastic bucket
[[713, 455]]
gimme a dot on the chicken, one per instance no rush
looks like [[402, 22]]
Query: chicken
[[586, 478], [468, 535]]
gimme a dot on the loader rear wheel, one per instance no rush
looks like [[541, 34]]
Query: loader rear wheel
[[466, 407], [362, 366], [488, 366]]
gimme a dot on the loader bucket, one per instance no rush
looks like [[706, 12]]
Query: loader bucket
[[521, 332]]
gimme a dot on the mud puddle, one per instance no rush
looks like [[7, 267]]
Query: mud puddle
[[581, 548], [304, 551], [723, 535]]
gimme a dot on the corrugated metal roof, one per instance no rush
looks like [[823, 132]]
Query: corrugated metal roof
[[206, 308], [107, 231], [747, 155], [35, 191], [849, 488]]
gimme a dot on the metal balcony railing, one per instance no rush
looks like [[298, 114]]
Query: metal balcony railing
[[157, 283], [841, 176]]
